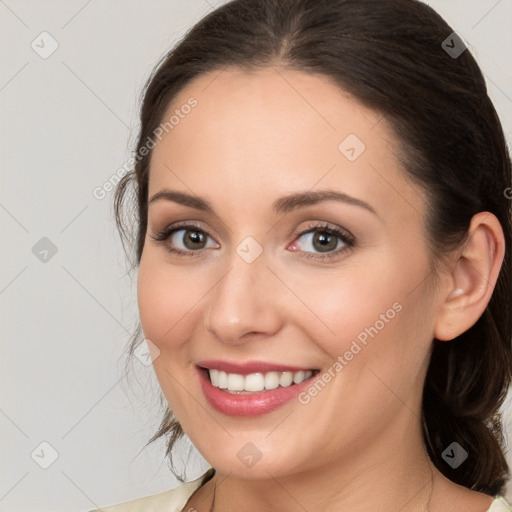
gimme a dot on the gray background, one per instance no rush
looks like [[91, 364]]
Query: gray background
[[68, 122]]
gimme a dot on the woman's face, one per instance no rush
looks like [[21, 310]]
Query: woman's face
[[262, 281]]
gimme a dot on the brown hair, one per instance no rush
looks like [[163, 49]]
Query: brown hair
[[389, 55]]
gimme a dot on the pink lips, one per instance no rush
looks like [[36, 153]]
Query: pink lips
[[253, 404]]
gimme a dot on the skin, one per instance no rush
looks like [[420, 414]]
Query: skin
[[255, 137]]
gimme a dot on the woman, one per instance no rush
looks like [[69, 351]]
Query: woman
[[323, 245]]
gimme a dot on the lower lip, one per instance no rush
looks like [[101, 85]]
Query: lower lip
[[249, 405]]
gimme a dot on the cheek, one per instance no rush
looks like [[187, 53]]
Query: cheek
[[164, 300], [375, 311], [337, 307], [378, 353]]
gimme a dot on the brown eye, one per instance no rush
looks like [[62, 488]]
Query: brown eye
[[324, 241], [184, 239], [192, 239]]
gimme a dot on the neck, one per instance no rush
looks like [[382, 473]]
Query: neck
[[396, 476]]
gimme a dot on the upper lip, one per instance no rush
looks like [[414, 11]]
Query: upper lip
[[248, 367]]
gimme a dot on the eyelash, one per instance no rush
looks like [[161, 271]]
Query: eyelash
[[344, 236]]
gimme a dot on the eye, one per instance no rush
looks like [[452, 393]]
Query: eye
[[186, 239], [328, 240]]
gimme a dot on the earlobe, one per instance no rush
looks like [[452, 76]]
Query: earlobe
[[472, 278]]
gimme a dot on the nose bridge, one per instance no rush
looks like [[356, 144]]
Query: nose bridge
[[243, 300]]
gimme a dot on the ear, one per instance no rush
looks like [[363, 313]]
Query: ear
[[472, 278]]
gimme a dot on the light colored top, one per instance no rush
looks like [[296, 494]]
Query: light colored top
[[174, 500]]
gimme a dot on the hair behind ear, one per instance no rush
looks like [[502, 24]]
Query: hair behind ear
[[466, 382]]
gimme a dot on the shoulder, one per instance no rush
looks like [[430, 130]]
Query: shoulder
[[500, 504], [172, 500]]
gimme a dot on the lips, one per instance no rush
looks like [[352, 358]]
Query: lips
[[255, 403]]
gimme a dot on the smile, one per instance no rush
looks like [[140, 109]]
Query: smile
[[253, 388]]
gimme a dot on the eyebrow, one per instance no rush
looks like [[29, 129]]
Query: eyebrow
[[284, 204]]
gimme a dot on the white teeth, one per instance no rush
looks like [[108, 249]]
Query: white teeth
[[223, 380], [298, 377], [254, 382], [286, 379], [214, 377], [235, 382], [271, 380]]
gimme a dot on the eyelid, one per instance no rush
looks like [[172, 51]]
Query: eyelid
[[170, 229], [324, 226]]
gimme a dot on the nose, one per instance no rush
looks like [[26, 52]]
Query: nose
[[244, 304]]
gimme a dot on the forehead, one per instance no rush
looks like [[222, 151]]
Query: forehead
[[275, 130]]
